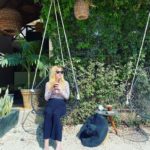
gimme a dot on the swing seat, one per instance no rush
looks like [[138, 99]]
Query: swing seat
[[94, 131]]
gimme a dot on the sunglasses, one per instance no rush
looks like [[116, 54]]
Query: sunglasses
[[59, 72]]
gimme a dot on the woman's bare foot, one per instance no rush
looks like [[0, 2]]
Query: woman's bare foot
[[46, 144], [58, 147], [46, 148]]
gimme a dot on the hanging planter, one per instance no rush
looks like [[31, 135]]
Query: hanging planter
[[81, 9], [10, 21]]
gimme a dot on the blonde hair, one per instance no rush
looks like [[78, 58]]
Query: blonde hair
[[52, 77]]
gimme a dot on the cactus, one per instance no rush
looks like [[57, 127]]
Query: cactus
[[6, 103]]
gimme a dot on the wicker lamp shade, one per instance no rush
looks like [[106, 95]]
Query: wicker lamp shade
[[81, 9], [10, 21]]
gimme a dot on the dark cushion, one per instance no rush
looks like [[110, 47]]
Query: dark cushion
[[94, 131]]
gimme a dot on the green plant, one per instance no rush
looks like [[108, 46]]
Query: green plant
[[109, 39], [27, 57], [117, 120], [6, 103], [100, 83], [81, 113], [112, 33]]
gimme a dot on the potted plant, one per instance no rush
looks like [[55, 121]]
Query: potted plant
[[8, 116], [27, 57]]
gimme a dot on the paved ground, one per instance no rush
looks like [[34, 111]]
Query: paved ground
[[30, 138], [129, 139]]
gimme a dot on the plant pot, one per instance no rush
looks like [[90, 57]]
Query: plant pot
[[27, 95], [9, 121]]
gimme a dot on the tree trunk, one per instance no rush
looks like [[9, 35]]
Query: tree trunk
[[29, 76]]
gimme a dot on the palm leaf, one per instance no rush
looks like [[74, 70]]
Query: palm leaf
[[10, 60]]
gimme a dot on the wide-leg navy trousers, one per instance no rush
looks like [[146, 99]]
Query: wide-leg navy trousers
[[55, 109]]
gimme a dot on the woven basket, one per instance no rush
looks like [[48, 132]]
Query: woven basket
[[10, 21], [81, 9]]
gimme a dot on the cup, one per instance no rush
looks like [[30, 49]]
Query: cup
[[109, 107]]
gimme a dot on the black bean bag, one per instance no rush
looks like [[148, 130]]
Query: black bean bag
[[94, 131]]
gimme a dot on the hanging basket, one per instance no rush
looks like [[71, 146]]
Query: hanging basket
[[10, 21], [81, 9]]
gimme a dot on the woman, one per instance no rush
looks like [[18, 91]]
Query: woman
[[56, 92]]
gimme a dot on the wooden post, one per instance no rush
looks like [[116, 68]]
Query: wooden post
[[109, 108]]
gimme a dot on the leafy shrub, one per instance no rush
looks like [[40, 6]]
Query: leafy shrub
[[81, 113], [99, 84], [6, 103]]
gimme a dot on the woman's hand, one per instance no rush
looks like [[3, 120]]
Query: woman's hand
[[57, 86]]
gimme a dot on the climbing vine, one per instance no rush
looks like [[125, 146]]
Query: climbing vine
[[112, 33], [108, 40]]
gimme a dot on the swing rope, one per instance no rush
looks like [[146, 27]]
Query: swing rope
[[66, 40], [135, 72], [41, 48], [58, 30], [50, 47]]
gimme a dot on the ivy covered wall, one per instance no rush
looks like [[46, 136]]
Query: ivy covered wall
[[104, 49], [112, 33]]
